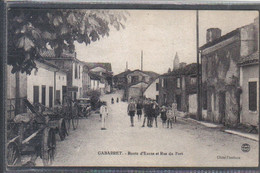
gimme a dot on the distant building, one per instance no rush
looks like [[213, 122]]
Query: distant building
[[152, 90], [176, 62], [120, 80], [74, 69], [104, 71], [137, 81], [86, 81], [221, 74], [179, 86]]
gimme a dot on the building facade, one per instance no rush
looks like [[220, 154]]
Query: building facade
[[152, 90], [221, 74]]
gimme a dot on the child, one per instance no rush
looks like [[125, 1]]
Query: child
[[163, 115], [170, 117]]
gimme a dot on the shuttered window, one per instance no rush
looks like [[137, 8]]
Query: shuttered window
[[252, 93]]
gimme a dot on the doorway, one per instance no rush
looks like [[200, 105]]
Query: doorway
[[222, 107]]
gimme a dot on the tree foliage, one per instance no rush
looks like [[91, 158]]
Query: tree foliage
[[32, 31]]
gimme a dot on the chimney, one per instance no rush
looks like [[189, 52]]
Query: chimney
[[256, 27], [213, 34]]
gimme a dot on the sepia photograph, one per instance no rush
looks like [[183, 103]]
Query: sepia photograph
[[131, 88]]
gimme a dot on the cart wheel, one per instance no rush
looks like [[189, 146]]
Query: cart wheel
[[62, 129], [48, 146], [75, 119], [13, 154]]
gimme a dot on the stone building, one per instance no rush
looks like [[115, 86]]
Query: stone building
[[220, 72], [180, 86]]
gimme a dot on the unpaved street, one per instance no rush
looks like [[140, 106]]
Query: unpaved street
[[186, 144]]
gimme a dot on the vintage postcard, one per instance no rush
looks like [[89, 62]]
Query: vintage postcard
[[131, 88]]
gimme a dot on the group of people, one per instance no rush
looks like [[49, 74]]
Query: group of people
[[151, 111], [112, 100]]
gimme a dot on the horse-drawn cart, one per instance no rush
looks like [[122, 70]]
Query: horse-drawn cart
[[34, 134]]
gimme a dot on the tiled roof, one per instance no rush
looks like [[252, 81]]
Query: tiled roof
[[220, 39], [51, 54], [251, 59], [92, 65], [123, 74], [149, 73], [190, 69]]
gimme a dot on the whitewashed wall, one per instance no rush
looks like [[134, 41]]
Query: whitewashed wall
[[151, 92], [193, 103], [44, 76], [61, 80]]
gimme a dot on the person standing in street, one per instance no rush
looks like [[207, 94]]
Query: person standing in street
[[156, 113], [169, 115], [139, 108], [131, 111], [163, 116], [150, 113], [117, 99], [146, 111], [112, 100], [103, 113], [174, 111]]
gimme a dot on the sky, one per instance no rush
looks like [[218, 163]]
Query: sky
[[160, 34]]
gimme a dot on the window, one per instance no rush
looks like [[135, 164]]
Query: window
[[157, 98], [50, 97], [43, 94], [193, 80], [178, 82], [165, 98], [157, 86], [76, 71], [58, 96], [252, 93], [35, 94], [165, 83], [79, 71], [204, 97]]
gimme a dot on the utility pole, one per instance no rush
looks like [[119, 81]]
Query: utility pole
[[142, 60], [199, 108]]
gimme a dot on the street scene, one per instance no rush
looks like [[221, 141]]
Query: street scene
[[137, 88]]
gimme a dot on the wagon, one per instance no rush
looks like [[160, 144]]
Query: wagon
[[70, 113], [84, 107], [34, 134]]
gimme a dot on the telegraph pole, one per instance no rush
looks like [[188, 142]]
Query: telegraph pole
[[199, 108], [142, 60]]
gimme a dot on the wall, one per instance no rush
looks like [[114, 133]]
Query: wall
[[135, 91], [77, 81], [61, 80], [249, 73], [44, 76], [12, 105], [151, 92], [220, 74], [193, 103], [139, 74]]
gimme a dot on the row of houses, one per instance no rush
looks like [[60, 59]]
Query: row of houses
[[230, 79], [54, 79], [134, 82]]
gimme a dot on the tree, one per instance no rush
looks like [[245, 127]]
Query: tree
[[31, 32]]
